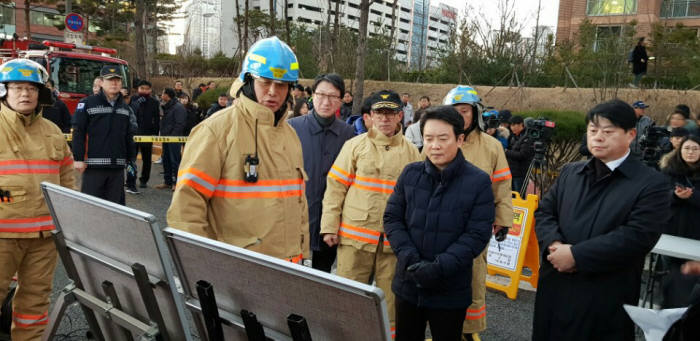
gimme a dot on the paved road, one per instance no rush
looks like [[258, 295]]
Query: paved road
[[507, 319]]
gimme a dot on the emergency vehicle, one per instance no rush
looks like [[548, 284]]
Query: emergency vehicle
[[72, 67]]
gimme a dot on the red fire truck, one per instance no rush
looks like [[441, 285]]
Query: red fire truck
[[72, 71]]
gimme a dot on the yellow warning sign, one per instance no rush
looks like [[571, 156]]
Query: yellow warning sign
[[147, 139]]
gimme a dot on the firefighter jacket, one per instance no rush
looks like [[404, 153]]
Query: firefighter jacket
[[359, 184], [487, 153], [32, 150], [103, 133], [212, 197]]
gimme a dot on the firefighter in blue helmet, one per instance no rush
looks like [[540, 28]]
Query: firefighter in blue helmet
[[32, 150]]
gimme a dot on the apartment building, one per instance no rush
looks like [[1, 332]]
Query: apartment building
[[610, 16], [422, 27]]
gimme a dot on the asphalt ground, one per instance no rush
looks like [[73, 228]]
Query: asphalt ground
[[509, 320]]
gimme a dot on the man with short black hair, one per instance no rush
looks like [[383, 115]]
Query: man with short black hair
[[198, 91], [321, 135], [178, 88], [520, 152], [103, 138], [172, 124], [424, 102], [147, 111], [346, 108], [221, 103], [595, 226]]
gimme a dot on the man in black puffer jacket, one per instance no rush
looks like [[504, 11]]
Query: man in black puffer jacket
[[172, 124], [437, 221]]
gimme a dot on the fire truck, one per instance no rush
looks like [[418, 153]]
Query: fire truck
[[72, 67]]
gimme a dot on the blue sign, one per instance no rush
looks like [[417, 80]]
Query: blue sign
[[74, 22]]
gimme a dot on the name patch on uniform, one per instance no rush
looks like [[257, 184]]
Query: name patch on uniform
[[80, 106]]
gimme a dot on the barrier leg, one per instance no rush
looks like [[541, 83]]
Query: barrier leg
[[253, 328], [298, 327], [149, 300], [111, 293], [210, 311]]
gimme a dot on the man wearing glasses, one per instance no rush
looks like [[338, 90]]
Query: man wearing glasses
[[358, 186], [242, 173], [322, 135]]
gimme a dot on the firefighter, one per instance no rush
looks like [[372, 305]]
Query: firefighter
[[358, 186], [32, 150], [242, 174], [487, 153]]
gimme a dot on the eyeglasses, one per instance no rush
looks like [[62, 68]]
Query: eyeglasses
[[329, 97], [691, 149], [27, 89]]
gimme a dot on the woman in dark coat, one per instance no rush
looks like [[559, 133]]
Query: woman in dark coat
[[437, 221], [639, 61], [683, 170]]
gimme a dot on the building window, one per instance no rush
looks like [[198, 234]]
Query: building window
[[611, 7], [680, 8], [7, 15], [44, 19], [606, 36]]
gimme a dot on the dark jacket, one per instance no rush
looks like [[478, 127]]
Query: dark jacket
[[357, 123], [643, 123], [639, 60], [213, 108], [109, 131], [443, 218], [196, 92], [345, 111], [612, 224], [520, 154], [147, 111], [174, 119], [193, 118], [320, 147], [59, 114]]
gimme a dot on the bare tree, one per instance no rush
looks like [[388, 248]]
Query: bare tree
[[361, 53], [272, 16], [238, 25], [140, 36], [286, 21], [245, 28]]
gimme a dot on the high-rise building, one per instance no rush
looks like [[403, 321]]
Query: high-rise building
[[611, 16], [203, 27], [422, 28]]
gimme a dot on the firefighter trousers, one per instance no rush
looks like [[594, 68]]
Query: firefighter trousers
[[358, 265], [34, 261], [475, 321]]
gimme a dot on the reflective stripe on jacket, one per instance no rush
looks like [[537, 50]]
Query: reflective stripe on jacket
[[212, 198], [487, 153], [359, 184], [32, 150]]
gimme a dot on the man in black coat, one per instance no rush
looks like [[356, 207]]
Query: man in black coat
[[172, 124], [147, 111], [595, 225], [58, 113], [520, 152]]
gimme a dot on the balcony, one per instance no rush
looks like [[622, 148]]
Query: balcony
[[680, 9]]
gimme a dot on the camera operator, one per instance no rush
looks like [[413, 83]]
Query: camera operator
[[683, 171], [643, 122], [520, 153], [493, 120]]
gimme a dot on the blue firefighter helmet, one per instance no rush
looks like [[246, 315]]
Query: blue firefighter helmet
[[273, 59], [462, 94], [25, 70]]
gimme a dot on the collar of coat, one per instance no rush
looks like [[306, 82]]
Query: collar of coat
[[316, 128], [13, 116], [252, 109], [117, 101], [628, 167], [379, 139], [473, 137], [452, 170]]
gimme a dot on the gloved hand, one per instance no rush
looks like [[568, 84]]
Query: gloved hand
[[501, 234], [131, 168], [425, 274]]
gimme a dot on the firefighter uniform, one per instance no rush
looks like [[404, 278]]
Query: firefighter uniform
[[487, 153], [212, 197], [32, 150], [358, 186]]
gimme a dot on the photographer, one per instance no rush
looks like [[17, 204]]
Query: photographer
[[683, 171], [520, 153], [493, 128], [643, 122]]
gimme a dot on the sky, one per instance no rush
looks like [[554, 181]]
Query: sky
[[525, 10]]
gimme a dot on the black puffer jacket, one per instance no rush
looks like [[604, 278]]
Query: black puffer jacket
[[442, 218], [520, 154], [174, 119]]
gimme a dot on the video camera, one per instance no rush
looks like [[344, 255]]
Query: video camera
[[654, 142], [491, 119], [540, 129]]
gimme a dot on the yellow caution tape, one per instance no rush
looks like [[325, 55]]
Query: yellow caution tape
[[147, 139]]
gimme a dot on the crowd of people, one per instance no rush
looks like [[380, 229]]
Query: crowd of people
[[403, 198]]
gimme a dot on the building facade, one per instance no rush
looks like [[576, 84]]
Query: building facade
[[422, 28], [203, 28], [610, 16], [42, 21]]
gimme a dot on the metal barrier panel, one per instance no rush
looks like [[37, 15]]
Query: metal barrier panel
[[334, 308], [104, 240]]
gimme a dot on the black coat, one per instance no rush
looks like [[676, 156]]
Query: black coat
[[59, 114], [639, 60], [520, 154], [174, 119], [444, 218], [612, 224], [147, 111]]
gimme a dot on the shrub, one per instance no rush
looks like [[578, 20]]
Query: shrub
[[210, 97]]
